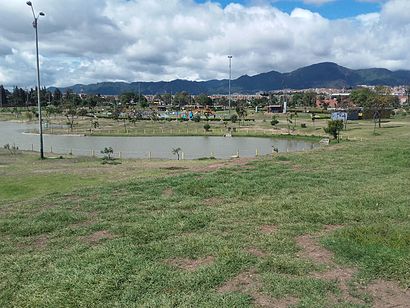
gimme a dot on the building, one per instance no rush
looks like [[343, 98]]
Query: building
[[275, 108]]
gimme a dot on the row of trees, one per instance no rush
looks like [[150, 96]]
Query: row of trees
[[363, 97], [377, 101]]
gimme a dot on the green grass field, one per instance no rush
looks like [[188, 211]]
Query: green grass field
[[308, 229]]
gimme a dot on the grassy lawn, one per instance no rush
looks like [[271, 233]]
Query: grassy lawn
[[267, 232]]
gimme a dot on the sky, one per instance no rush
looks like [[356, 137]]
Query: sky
[[146, 40]]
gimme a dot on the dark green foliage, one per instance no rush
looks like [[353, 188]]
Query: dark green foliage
[[196, 118], [108, 152], [334, 127], [234, 118], [274, 121]]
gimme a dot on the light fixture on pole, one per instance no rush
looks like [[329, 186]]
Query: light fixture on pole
[[230, 77], [35, 24]]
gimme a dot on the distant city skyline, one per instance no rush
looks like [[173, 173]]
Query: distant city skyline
[[130, 40]]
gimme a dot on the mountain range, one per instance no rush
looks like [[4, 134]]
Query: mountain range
[[321, 75]]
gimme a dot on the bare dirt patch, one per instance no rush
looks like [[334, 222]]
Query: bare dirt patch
[[245, 282], [313, 251], [249, 283], [388, 294], [97, 236], [269, 229], [191, 264], [384, 294]]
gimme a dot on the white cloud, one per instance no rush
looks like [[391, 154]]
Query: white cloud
[[99, 40]]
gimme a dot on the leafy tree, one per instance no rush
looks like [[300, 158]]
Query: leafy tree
[[82, 112], [377, 101], [57, 96], [207, 127], [176, 152], [334, 128], [241, 111], [167, 99], [204, 100], [182, 98], [297, 100], [309, 99], [362, 96], [108, 152], [127, 98]]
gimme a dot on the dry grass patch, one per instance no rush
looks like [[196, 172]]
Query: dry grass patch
[[256, 252], [269, 229], [96, 237], [191, 264], [168, 192], [212, 201]]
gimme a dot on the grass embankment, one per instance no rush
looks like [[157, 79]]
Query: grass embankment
[[256, 125], [229, 237]]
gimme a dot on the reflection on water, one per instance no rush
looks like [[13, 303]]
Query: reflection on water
[[141, 147]]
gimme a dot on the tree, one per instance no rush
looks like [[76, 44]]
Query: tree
[[334, 128], [70, 113], [167, 99], [297, 100], [107, 153], [182, 98], [234, 118], [11, 148], [57, 96], [203, 100], [127, 98], [362, 96], [176, 151], [3, 97], [241, 111], [207, 127]]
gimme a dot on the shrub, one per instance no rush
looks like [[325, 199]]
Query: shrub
[[274, 121], [234, 118]]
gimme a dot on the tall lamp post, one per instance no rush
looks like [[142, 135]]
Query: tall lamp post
[[230, 77], [35, 23]]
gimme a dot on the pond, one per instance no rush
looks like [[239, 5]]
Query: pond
[[143, 147]]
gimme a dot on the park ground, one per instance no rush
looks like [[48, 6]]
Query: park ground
[[256, 124], [330, 227]]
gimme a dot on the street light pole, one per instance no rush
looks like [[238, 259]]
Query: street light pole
[[230, 77], [35, 24]]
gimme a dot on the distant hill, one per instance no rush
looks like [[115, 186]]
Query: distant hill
[[321, 75]]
